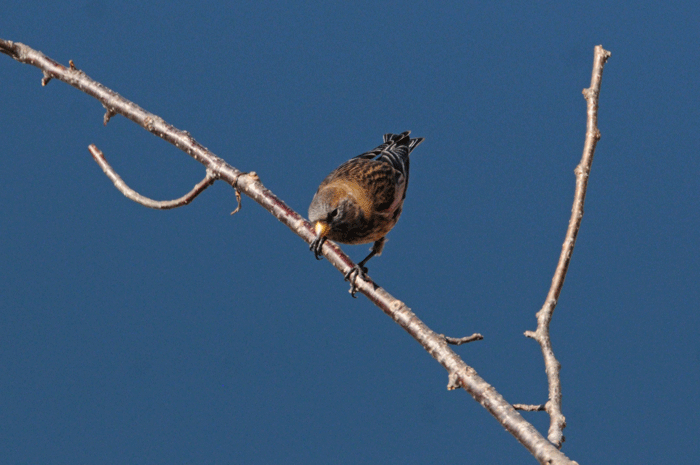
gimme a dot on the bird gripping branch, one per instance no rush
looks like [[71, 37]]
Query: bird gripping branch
[[362, 199]]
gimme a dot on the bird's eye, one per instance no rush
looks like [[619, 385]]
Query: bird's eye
[[333, 214]]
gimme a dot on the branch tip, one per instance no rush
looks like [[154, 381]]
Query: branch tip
[[544, 315]]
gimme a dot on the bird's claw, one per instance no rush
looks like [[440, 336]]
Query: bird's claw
[[352, 275], [317, 247]]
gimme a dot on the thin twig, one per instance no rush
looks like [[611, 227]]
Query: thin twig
[[459, 373], [544, 316], [109, 113], [458, 341], [238, 201], [129, 193]]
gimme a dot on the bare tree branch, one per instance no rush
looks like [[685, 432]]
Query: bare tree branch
[[544, 316], [459, 373], [129, 193]]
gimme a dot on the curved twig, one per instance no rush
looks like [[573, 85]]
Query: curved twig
[[544, 316], [129, 193]]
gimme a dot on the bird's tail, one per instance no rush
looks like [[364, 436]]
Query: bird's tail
[[402, 139], [396, 149]]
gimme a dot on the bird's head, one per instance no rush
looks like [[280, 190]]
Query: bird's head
[[330, 209]]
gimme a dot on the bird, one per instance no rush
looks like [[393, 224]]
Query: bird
[[362, 199]]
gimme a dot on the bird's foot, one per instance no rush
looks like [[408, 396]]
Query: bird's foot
[[317, 247], [355, 271]]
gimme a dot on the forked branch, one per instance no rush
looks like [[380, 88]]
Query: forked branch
[[460, 374], [544, 316]]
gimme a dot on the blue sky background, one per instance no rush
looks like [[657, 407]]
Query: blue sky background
[[129, 335]]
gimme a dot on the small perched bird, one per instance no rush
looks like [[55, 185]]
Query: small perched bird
[[362, 199]]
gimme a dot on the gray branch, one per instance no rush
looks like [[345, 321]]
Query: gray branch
[[544, 316], [129, 193]]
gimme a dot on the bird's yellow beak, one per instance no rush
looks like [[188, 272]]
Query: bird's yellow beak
[[321, 228]]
